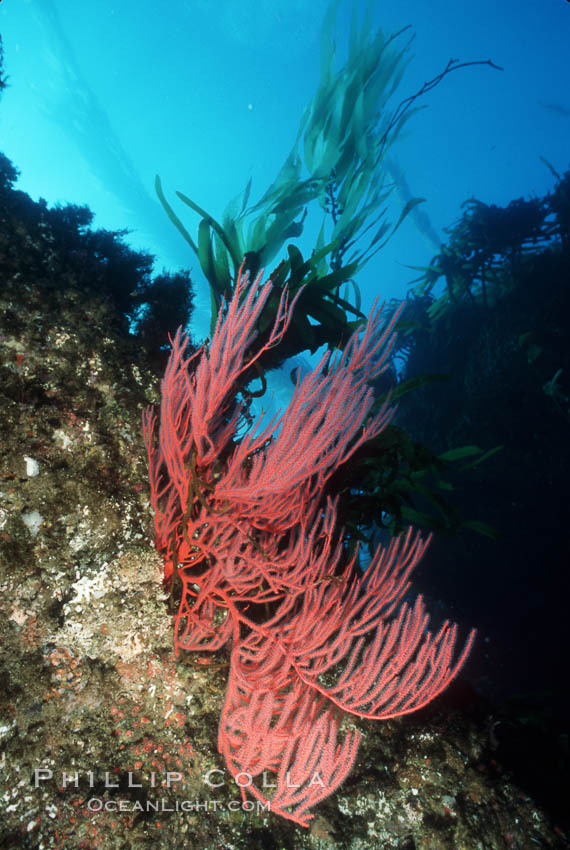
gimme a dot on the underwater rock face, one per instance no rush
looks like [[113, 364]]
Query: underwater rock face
[[107, 741]]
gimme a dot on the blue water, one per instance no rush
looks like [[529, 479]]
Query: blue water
[[104, 95]]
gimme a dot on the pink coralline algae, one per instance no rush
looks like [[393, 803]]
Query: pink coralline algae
[[253, 552]]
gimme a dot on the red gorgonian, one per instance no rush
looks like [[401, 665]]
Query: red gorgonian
[[255, 557]]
